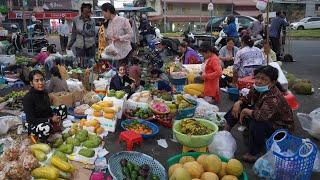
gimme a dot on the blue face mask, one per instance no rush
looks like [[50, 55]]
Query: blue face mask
[[261, 89]]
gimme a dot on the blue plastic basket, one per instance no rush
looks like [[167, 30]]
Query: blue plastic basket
[[187, 113], [181, 81], [297, 166], [233, 94], [153, 127]]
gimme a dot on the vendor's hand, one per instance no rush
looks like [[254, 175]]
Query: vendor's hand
[[56, 119], [236, 109], [133, 85], [245, 113]]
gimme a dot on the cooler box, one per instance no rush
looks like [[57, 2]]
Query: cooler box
[[246, 82]]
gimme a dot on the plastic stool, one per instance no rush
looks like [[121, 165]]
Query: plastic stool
[[291, 100], [130, 137]]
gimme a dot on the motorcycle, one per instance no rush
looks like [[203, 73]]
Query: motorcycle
[[17, 43], [37, 42]]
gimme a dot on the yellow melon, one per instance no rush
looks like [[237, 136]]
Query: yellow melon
[[223, 170], [201, 158], [194, 169], [181, 174], [212, 164], [234, 167], [229, 177], [209, 176], [173, 168], [185, 159]]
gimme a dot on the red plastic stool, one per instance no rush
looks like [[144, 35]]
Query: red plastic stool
[[291, 100], [130, 137]]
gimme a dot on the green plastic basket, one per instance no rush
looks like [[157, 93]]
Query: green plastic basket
[[175, 159], [193, 140]]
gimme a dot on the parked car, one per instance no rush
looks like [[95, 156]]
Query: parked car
[[306, 23], [243, 23]]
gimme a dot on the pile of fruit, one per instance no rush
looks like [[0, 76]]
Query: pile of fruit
[[134, 172], [205, 167], [162, 94], [173, 67], [91, 125], [144, 97], [159, 108], [105, 109], [139, 113], [194, 127], [117, 94], [16, 94], [138, 127]]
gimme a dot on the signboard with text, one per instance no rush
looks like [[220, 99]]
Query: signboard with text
[[57, 4]]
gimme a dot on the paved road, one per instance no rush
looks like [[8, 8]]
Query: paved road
[[307, 54]]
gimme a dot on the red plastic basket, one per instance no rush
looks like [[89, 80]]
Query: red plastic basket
[[166, 121], [246, 82]]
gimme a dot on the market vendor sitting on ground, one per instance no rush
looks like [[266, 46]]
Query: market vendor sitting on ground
[[121, 81], [135, 71], [211, 73], [160, 80], [41, 57], [228, 52], [189, 56], [51, 59], [248, 59], [36, 105], [162, 50], [264, 110], [56, 83]]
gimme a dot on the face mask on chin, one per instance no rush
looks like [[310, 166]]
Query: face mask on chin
[[261, 89]]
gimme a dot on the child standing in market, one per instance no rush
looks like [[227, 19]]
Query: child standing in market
[[135, 71]]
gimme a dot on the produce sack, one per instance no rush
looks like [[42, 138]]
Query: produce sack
[[264, 166], [62, 98], [74, 85], [7, 122], [311, 122], [223, 144]]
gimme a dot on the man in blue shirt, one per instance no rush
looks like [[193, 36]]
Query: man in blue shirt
[[277, 24], [231, 29]]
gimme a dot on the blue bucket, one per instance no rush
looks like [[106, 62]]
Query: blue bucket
[[233, 94]]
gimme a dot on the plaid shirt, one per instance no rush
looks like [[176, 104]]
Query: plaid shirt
[[83, 33]]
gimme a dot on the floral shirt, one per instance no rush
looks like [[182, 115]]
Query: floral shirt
[[270, 106]]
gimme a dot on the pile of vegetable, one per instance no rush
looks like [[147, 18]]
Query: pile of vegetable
[[162, 94], [117, 94], [134, 172], [139, 128], [299, 86], [159, 108], [205, 167], [139, 113], [194, 127], [22, 60], [180, 104], [144, 97], [173, 67], [16, 98]]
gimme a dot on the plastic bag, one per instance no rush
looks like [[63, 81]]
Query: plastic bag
[[7, 122], [316, 166], [264, 167], [311, 122], [208, 111], [70, 53], [223, 144], [74, 85], [110, 52], [101, 84]]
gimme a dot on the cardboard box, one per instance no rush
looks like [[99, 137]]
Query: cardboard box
[[78, 96], [61, 98]]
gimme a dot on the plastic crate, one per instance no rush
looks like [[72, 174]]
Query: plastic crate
[[187, 113], [299, 164]]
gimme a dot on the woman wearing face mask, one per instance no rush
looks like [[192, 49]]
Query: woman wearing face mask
[[121, 81], [115, 30], [36, 105], [264, 110]]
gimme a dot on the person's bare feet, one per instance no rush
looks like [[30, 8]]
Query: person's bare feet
[[249, 158]]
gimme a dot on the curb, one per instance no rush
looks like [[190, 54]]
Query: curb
[[305, 38]]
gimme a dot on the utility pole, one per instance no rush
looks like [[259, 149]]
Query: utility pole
[[24, 4], [165, 16]]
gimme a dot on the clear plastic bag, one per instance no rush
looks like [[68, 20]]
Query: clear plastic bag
[[109, 52], [223, 144], [7, 122], [264, 167], [311, 122]]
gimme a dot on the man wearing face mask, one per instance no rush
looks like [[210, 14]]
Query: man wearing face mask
[[83, 36], [263, 110]]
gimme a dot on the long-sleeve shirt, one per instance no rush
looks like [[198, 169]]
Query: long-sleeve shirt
[[63, 30], [121, 28], [277, 24], [270, 106], [120, 83], [83, 33], [36, 106], [211, 75], [247, 60]]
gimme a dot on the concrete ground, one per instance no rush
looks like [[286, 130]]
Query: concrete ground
[[307, 54]]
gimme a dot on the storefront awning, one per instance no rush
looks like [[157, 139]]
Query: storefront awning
[[42, 15], [252, 13]]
